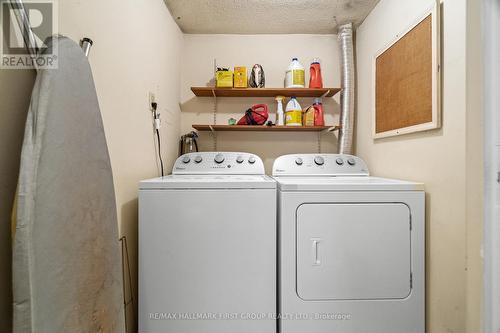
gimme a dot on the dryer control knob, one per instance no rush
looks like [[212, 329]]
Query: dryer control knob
[[339, 161], [351, 161], [239, 159], [198, 159], [251, 160], [299, 161], [219, 158], [319, 160], [186, 160]]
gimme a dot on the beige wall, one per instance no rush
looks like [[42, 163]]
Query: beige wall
[[474, 169], [438, 158], [274, 53], [15, 92]]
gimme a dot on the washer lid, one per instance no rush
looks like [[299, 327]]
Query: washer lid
[[209, 182], [360, 183]]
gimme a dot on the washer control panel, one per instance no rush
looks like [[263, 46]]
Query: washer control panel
[[319, 165], [223, 163]]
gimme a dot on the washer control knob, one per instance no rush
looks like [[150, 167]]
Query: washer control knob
[[351, 161], [319, 160], [186, 160], [198, 159], [239, 159], [339, 161], [251, 160], [219, 158], [299, 161]]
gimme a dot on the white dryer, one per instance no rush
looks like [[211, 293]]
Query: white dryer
[[351, 248], [207, 247]]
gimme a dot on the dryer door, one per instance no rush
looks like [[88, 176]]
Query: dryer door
[[353, 251]]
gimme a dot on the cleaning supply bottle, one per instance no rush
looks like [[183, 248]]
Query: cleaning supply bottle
[[315, 80], [280, 115], [319, 117], [295, 75], [293, 115]]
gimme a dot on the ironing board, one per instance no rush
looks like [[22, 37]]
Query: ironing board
[[66, 256]]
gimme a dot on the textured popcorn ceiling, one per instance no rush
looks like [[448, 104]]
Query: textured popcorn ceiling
[[267, 16]]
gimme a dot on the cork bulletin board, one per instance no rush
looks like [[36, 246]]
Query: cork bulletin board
[[407, 80]]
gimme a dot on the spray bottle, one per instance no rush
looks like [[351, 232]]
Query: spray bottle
[[280, 114]]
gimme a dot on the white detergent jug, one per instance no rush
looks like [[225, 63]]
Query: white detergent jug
[[295, 75], [293, 114]]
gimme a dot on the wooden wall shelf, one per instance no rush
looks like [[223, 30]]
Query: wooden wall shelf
[[249, 128], [263, 92]]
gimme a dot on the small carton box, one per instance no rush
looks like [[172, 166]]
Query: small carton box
[[240, 77], [224, 79], [308, 116]]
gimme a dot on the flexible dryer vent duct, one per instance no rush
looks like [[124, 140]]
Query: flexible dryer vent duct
[[347, 95]]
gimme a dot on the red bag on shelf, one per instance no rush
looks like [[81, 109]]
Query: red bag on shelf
[[256, 115]]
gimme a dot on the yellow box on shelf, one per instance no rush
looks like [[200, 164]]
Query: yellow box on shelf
[[240, 77], [224, 79]]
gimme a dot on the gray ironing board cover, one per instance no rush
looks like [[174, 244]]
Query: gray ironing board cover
[[66, 256]]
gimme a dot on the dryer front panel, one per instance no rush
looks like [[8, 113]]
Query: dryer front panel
[[353, 251]]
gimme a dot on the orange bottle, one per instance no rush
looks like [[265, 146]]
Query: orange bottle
[[319, 116], [315, 80]]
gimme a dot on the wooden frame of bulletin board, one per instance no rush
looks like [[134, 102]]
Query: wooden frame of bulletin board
[[406, 79]]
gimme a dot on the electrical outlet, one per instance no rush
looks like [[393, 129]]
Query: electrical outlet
[[151, 100]]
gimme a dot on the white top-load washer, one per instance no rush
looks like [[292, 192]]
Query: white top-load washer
[[351, 248], [207, 247]]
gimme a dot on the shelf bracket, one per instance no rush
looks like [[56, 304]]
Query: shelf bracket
[[331, 129], [325, 94], [214, 138], [215, 106]]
